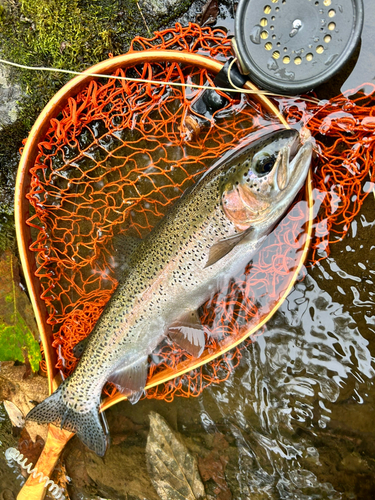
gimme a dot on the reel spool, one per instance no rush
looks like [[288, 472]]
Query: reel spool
[[292, 46]]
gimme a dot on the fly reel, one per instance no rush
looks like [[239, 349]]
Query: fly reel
[[292, 46]]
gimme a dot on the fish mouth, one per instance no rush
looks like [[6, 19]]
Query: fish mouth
[[244, 206], [291, 160]]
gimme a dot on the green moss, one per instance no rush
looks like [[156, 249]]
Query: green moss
[[2, 13], [54, 33], [7, 233], [17, 341], [69, 34]]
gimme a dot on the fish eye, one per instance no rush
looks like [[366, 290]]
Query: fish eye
[[264, 164]]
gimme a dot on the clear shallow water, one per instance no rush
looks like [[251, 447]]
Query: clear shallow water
[[299, 384], [295, 418], [301, 408], [306, 416]]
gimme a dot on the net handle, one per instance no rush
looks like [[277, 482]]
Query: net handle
[[35, 487]]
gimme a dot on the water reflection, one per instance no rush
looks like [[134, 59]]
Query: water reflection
[[364, 69], [295, 393]]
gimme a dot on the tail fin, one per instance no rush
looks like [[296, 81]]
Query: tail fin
[[87, 426]]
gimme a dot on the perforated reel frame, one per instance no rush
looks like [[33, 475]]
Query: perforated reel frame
[[292, 46]]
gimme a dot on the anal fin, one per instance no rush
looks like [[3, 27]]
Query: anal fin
[[130, 380], [188, 333]]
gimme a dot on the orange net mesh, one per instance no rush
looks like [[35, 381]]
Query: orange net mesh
[[344, 174], [120, 153]]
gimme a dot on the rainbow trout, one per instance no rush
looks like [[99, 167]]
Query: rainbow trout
[[210, 233]]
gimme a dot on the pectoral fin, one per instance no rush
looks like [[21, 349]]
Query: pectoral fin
[[223, 247], [130, 380], [188, 333]]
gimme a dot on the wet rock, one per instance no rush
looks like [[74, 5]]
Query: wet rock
[[7, 494], [158, 7], [122, 473], [9, 97], [22, 391], [213, 465]]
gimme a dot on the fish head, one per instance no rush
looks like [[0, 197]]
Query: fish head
[[263, 180]]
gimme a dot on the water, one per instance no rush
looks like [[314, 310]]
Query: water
[[298, 412]]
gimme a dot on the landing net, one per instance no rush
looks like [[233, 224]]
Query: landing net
[[120, 153]]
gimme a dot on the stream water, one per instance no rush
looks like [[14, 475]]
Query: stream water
[[295, 419]]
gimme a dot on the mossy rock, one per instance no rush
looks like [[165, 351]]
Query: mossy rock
[[62, 34], [70, 34]]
